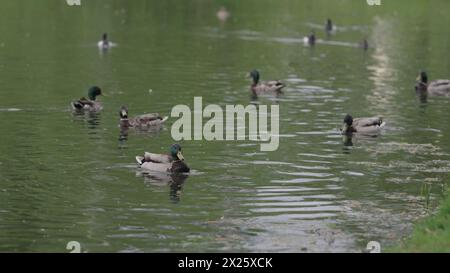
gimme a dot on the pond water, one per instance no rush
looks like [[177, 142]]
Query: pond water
[[66, 177]]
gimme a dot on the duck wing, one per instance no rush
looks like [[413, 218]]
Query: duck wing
[[278, 85], [439, 87], [367, 122], [81, 103], [156, 167], [148, 120], [369, 130], [440, 83], [270, 86], [157, 158], [150, 116]]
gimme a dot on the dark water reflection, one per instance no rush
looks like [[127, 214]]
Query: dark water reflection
[[66, 177]]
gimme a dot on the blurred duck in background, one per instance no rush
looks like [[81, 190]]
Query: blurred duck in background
[[310, 40], [223, 14], [329, 27], [104, 43]]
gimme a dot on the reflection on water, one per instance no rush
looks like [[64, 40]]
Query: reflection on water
[[174, 181], [67, 177], [152, 131]]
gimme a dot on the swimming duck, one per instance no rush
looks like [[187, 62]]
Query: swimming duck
[[104, 43], [146, 120], [435, 88], [364, 126], [172, 163], [310, 39], [329, 26], [258, 87], [89, 104]]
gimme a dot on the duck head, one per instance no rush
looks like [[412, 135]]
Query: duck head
[[254, 74], [123, 112], [329, 25], [348, 122], [105, 37], [93, 92], [175, 151], [423, 77]]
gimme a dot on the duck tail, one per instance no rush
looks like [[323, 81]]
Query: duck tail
[[280, 86], [77, 105], [381, 120], [140, 160], [164, 119]]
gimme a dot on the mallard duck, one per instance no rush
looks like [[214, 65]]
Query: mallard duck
[[104, 43], [364, 126], [258, 87], [172, 163], [434, 88], [329, 26], [89, 104], [310, 40], [146, 120]]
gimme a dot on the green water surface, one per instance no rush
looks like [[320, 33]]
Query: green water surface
[[66, 177]]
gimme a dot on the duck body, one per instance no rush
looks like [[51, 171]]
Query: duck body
[[329, 28], [258, 88], [104, 43], [434, 88], [310, 40], [90, 103], [146, 120], [173, 163], [364, 126], [267, 87]]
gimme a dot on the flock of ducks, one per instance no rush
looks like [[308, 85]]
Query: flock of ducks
[[364, 126], [174, 161], [330, 29]]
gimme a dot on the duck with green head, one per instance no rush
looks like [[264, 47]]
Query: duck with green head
[[434, 88], [258, 87], [171, 163], [91, 103], [142, 121], [364, 126]]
